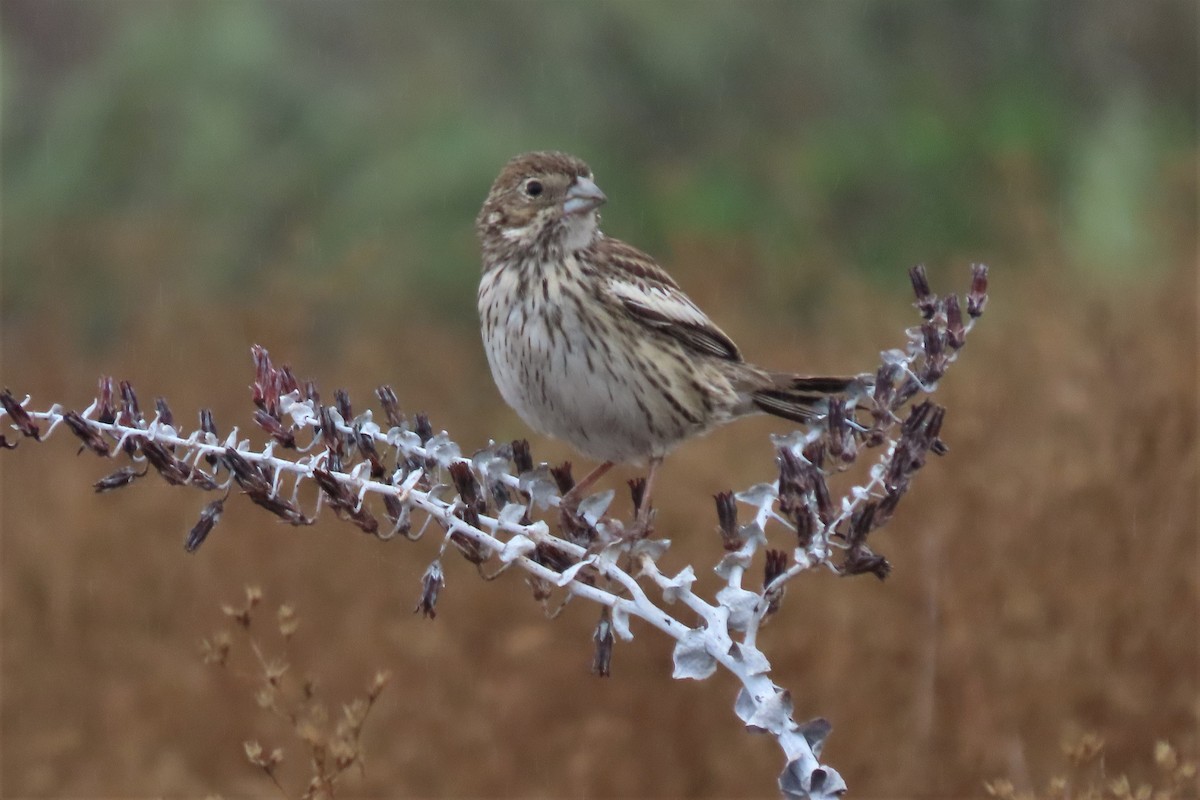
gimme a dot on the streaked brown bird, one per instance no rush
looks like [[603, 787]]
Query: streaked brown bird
[[590, 341]]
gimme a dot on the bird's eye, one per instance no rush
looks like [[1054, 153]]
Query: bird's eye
[[533, 187]]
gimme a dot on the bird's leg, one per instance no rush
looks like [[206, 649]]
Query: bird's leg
[[641, 521], [570, 500]]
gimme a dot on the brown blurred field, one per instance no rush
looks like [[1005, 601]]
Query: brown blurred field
[[1045, 572]]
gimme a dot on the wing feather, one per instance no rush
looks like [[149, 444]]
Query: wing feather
[[653, 298]]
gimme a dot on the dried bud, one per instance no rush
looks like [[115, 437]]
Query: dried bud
[[727, 520], [122, 477], [886, 507], [637, 491], [977, 297], [286, 382], [209, 426], [862, 522], [344, 503], [391, 406], [793, 484], [366, 446], [164, 411], [465, 483], [934, 426], [432, 583], [106, 413], [257, 487], [311, 393], [423, 428], [933, 341], [500, 495], [956, 334], [264, 380], [275, 429], [208, 519], [603, 637], [776, 565], [562, 477], [331, 437], [522, 459], [131, 410], [19, 416], [860, 560], [551, 557], [825, 508], [885, 384], [247, 474], [806, 523], [926, 299], [342, 401], [174, 471], [471, 550], [91, 439]]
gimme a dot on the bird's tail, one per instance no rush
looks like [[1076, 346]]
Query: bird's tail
[[800, 398]]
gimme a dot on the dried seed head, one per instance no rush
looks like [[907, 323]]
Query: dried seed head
[[956, 334], [391, 406], [465, 483], [432, 583], [776, 564], [19, 416], [106, 412], [926, 300], [130, 408], [342, 400], [273, 426], [977, 297], [423, 428], [604, 639], [91, 438], [122, 477], [562, 477], [860, 560], [522, 459], [263, 390], [209, 517], [164, 411], [727, 521]]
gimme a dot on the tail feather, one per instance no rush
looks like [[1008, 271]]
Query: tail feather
[[800, 399]]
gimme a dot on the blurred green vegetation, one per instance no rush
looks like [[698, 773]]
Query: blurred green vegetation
[[212, 146]]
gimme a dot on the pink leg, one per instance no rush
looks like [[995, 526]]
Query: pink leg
[[643, 512], [570, 500]]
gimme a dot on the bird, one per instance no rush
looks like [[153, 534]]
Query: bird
[[590, 340]]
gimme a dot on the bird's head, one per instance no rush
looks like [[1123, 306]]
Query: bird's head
[[543, 200]]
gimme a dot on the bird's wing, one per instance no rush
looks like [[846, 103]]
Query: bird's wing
[[653, 298]]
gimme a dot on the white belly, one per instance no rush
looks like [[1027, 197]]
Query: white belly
[[561, 372]]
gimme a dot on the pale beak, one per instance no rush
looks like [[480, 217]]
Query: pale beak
[[582, 197]]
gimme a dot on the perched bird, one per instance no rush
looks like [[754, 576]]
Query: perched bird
[[591, 342]]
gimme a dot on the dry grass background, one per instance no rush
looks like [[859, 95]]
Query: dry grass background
[[1045, 577]]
